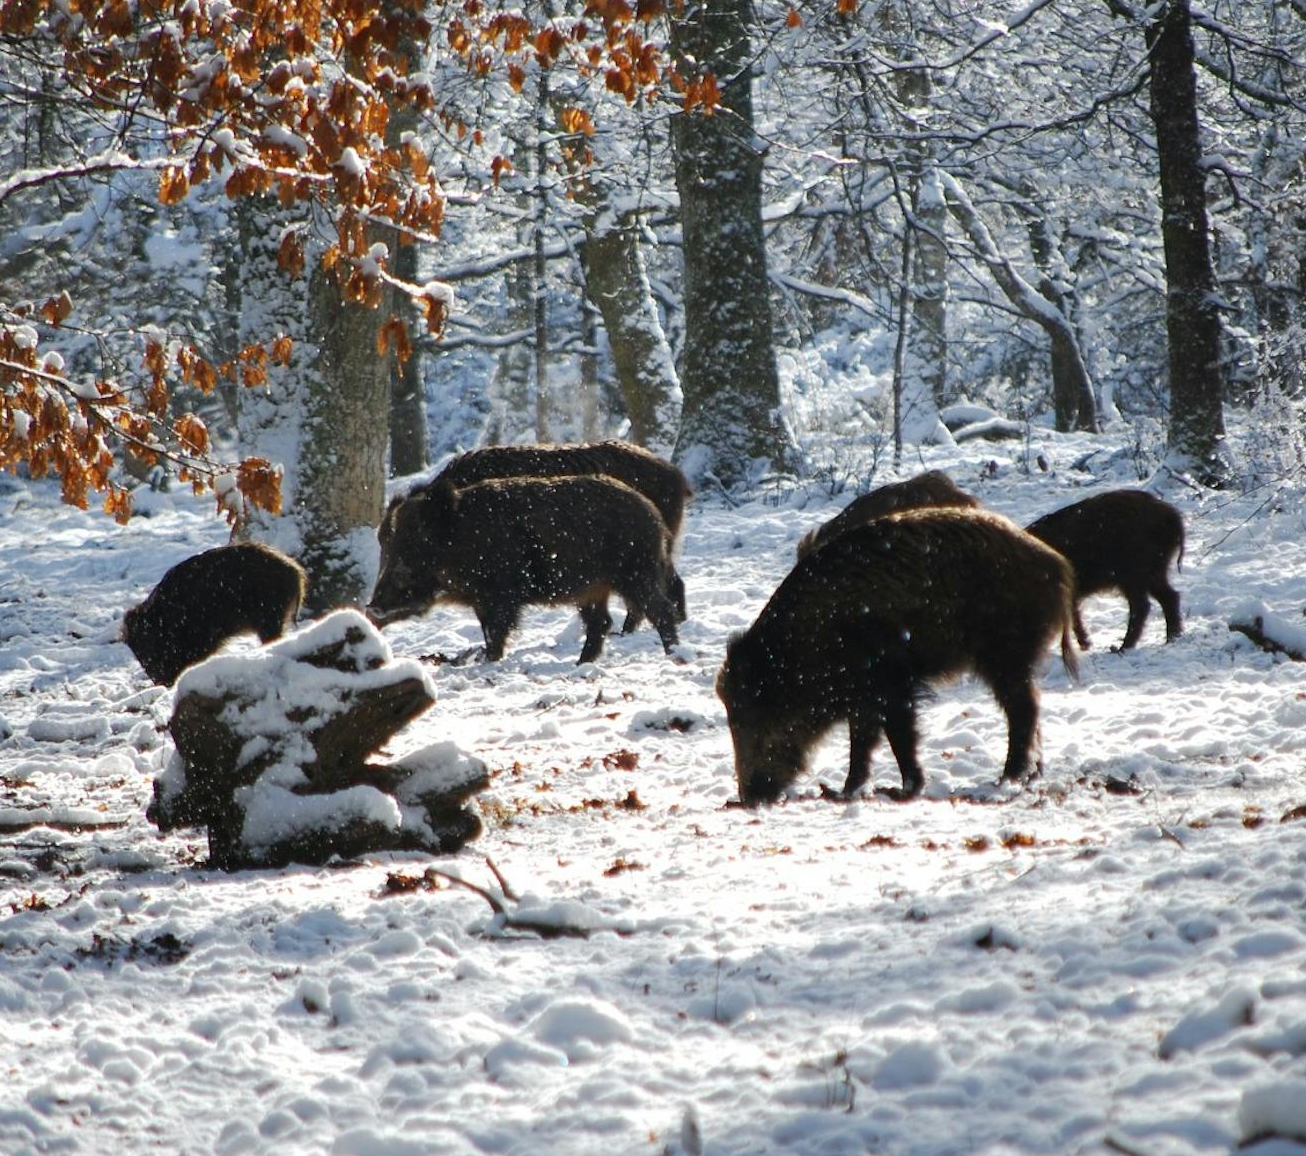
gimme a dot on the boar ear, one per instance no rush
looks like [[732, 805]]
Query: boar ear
[[442, 499]]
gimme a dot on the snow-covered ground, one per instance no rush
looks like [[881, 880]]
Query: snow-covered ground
[[1111, 960]]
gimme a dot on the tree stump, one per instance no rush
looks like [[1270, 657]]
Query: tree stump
[[274, 754]]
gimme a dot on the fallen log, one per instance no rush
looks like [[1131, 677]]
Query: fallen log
[[1271, 632]]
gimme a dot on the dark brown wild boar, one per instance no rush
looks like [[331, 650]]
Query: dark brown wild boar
[[659, 480], [932, 488], [209, 598], [862, 628], [1122, 540], [502, 544]]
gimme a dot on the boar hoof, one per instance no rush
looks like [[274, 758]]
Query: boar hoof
[[840, 796], [898, 794]]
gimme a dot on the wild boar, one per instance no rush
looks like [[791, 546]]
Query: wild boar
[[506, 543], [1121, 540], [659, 480], [932, 488], [862, 628], [202, 602]]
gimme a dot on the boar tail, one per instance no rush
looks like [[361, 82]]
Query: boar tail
[[1069, 653]]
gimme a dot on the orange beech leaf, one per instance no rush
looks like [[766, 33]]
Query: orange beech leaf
[[259, 481], [118, 503], [516, 77], [793, 19], [613, 13], [281, 349], [549, 43], [845, 7], [418, 162], [394, 335], [576, 120], [290, 254], [192, 433], [647, 10], [156, 398], [57, 309], [156, 359], [702, 93], [620, 81], [434, 309]]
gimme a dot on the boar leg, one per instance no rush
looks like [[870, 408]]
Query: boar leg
[[900, 727], [676, 592], [664, 616], [1139, 608], [1168, 598], [660, 608], [498, 620], [597, 624], [863, 735], [1081, 635], [1019, 701]]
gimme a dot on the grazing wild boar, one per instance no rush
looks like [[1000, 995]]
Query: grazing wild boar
[[862, 628], [659, 480], [1122, 540], [502, 544], [202, 602], [932, 488]]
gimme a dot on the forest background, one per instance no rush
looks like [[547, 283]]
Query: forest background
[[283, 251]]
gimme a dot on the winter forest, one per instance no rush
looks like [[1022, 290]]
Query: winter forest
[[264, 267], [331, 244]]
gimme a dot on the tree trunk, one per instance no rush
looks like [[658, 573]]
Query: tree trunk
[[346, 431], [1196, 436], [1074, 406], [539, 265], [731, 424], [1068, 362], [1073, 403], [324, 417], [590, 421], [409, 453], [617, 283], [269, 417], [929, 329], [511, 410]]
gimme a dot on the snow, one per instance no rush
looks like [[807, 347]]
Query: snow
[[1111, 959]]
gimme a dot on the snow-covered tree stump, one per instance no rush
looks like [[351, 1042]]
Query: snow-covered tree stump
[[274, 754]]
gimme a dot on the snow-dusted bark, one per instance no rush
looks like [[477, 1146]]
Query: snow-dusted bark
[[343, 454], [512, 416], [1067, 356], [324, 417], [1195, 443], [409, 452], [617, 282], [269, 417], [731, 426], [928, 347]]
